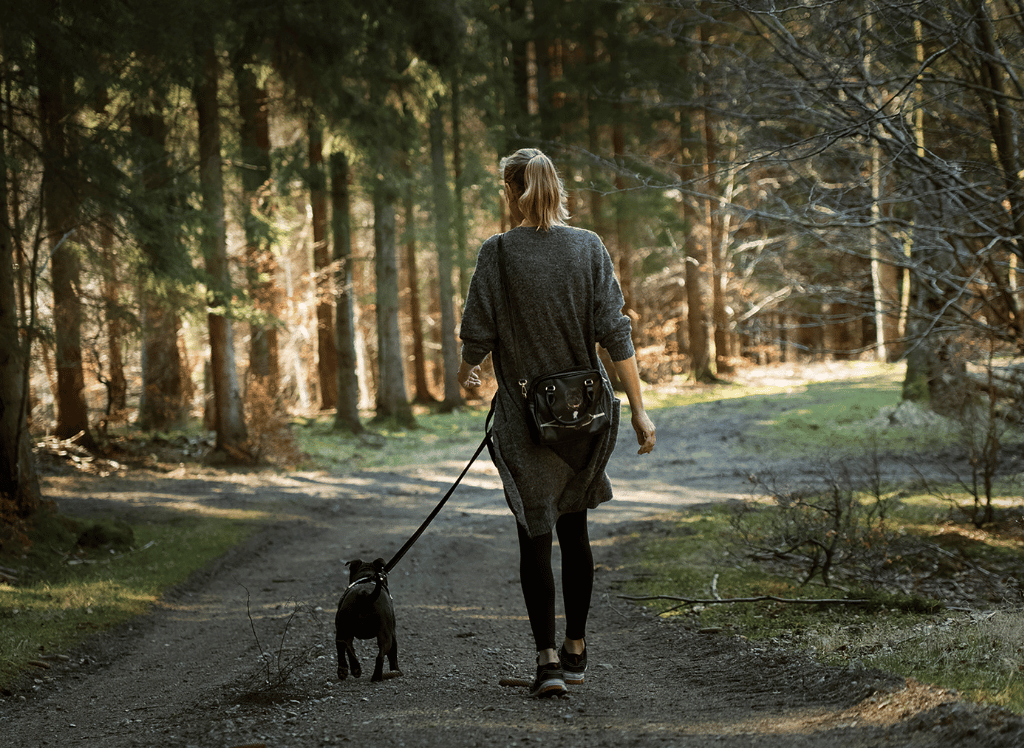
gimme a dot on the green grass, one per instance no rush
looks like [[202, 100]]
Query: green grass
[[981, 654], [436, 437], [64, 595]]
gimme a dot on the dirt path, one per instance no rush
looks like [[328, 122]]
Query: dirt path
[[189, 673]]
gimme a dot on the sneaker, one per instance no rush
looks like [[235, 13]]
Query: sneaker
[[549, 681], [573, 665]]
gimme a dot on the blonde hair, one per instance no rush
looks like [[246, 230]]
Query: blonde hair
[[541, 192]]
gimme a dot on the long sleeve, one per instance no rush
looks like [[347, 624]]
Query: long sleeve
[[612, 328], [479, 330]]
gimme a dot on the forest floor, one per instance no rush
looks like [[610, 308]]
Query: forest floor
[[190, 673]]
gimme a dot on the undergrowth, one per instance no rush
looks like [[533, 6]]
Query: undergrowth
[[974, 646], [66, 591]]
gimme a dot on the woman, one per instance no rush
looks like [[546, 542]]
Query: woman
[[566, 299]]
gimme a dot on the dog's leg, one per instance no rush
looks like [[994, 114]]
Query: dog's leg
[[342, 664], [393, 655], [357, 670], [378, 668]]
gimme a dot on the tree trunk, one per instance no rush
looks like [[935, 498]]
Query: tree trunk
[[116, 383], [443, 236], [1003, 115], [229, 416], [260, 263], [623, 240], [419, 359], [19, 486], [162, 402], [327, 357], [461, 240], [712, 217], [60, 206], [347, 412], [518, 125], [392, 400], [699, 326]]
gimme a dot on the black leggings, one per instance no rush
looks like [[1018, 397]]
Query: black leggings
[[539, 581]]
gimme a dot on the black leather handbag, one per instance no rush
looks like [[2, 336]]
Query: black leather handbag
[[565, 406]]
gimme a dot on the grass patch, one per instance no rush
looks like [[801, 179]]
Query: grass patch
[[841, 418], [437, 437], [979, 653], [66, 593]]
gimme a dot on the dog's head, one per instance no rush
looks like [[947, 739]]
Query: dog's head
[[358, 569]]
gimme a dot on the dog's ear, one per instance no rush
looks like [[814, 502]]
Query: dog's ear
[[353, 568], [378, 565]]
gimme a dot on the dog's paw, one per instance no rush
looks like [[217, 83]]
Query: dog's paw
[[342, 674]]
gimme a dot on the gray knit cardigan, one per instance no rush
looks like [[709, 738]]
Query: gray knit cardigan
[[565, 298]]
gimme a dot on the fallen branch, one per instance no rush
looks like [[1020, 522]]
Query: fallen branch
[[758, 599]]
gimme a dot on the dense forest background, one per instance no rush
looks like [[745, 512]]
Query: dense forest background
[[244, 209]]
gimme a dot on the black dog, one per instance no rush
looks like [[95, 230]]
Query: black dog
[[366, 611]]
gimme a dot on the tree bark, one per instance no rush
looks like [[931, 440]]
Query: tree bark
[[461, 240], [229, 415], [392, 400], [623, 239], [712, 217], [347, 412], [518, 123], [697, 246], [443, 236], [162, 402], [419, 358], [327, 357], [260, 262], [116, 383], [20, 496], [61, 205]]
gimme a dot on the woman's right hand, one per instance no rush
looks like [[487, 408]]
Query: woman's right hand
[[645, 432], [469, 376]]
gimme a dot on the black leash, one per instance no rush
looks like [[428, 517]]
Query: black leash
[[416, 535]]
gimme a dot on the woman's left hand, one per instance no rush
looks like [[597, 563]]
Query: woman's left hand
[[645, 432]]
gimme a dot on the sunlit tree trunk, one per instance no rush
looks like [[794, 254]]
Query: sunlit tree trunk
[[712, 216], [419, 357], [700, 339], [443, 237], [347, 412], [461, 240], [392, 400], [327, 358], [229, 416], [623, 221]]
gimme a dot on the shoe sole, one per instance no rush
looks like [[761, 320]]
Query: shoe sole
[[575, 679], [550, 687]]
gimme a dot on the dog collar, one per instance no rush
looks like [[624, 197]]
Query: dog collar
[[371, 579]]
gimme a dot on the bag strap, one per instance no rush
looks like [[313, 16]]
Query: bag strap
[[505, 286]]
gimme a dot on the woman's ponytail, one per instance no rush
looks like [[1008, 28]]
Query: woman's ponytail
[[541, 192]]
